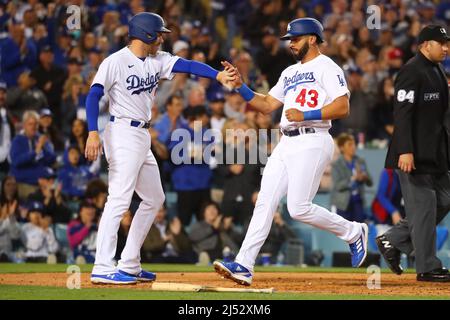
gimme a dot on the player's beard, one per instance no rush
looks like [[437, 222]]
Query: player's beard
[[302, 52]]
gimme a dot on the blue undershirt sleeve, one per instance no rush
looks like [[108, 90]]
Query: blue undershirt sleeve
[[92, 106], [194, 67], [382, 193]]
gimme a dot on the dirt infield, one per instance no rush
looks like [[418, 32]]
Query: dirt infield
[[318, 283]]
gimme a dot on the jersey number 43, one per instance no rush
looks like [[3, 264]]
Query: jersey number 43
[[309, 97]]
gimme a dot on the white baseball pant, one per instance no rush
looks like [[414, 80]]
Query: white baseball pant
[[295, 168], [132, 167]]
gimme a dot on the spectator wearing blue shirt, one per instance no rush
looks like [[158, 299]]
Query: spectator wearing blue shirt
[[162, 130], [60, 42], [350, 175], [18, 54], [387, 207], [94, 59], [192, 177], [443, 11], [171, 119], [31, 155], [73, 175]]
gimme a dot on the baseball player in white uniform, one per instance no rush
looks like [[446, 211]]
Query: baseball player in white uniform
[[130, 78], [313, 92]]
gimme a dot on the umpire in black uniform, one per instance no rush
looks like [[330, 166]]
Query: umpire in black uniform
[[420, 153]]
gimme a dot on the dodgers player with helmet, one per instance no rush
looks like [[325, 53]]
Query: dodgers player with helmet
[[130, 78], [313, 92]]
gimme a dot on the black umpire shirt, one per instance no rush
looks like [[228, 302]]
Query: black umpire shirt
[[421, 111]]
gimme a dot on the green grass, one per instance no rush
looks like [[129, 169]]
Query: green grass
[[12, 292], [50, 268]]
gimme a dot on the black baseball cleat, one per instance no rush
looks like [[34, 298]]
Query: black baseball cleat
[[437, 275], [390, 254]]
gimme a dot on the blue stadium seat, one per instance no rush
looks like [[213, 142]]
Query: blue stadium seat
[[73, 206], [446, 223], [306, 234], [171, 203], [322, 199], [444, 256], [60, 231], [328, 243]]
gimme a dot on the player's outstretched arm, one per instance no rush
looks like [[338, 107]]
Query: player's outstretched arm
[[261, 102], [93, 143], [203, 70], [337, 109]]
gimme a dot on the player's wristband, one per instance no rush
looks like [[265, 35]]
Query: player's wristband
[[312, 115], [246, 92]]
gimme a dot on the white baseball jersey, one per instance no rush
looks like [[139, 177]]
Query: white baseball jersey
[[131, 83], [309, 86], [297, 163]]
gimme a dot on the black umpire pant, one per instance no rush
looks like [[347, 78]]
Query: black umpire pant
[[427, 202]]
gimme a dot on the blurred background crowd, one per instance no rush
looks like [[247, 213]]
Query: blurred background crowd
[[52, 197]]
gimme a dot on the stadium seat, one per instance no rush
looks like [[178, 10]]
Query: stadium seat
[[60, 231], [64, 250], [73, 206], [328, 243]]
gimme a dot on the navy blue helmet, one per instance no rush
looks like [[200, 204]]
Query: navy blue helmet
[[304, 26], [145, 26]]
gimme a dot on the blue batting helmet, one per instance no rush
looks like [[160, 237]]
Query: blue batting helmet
[[304, 26], [145, 26]]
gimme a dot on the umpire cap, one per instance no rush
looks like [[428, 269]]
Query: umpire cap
[[145, 27], [433, 32], [304, 26]]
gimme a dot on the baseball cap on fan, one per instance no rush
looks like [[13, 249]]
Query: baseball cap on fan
[[46, 112], [179, 45], [433, 32], [46, 48], [74, 60], [217, 96], [395, 53], [426, 5], [3, 85], [36, 206], [269, 31], [48, 173], [197, 24]]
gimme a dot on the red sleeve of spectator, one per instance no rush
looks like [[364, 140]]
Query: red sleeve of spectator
[[76, 233]]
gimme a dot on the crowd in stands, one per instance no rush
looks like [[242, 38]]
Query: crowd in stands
[[46, 70]]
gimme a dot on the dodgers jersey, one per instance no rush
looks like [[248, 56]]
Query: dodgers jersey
[[131, 83], [309, 86]]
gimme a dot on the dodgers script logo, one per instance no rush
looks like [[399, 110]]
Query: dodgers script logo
[[296, 79], [142, 84]]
